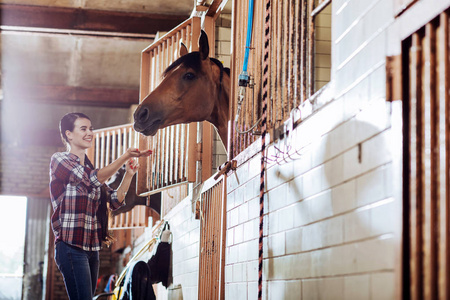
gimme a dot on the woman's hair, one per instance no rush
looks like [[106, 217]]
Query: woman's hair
[[68, 123]]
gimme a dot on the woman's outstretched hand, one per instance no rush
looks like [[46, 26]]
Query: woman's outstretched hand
[[135, 152]]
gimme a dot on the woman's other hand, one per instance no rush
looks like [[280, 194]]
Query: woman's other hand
[[132, 166]]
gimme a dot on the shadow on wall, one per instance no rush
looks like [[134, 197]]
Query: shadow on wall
[[338, 218]]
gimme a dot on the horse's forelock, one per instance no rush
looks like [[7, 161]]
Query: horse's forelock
[[191, 60]]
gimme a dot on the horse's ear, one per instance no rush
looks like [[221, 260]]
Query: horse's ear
[[182, 50], [203, 46]]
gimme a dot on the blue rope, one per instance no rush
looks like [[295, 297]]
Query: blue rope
[[249, 35], [243, 77]]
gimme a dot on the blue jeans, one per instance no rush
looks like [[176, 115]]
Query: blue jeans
[[79, 269]]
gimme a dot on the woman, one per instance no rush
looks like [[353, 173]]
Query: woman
[[79, 209]]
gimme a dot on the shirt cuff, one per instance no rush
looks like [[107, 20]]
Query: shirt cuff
[[94, 179], [115, 203]]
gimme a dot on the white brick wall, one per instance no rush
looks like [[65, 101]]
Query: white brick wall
[[185, 252], [329, 214]]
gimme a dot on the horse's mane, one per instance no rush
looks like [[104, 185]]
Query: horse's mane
[[192, 60]]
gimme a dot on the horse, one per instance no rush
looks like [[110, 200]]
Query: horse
[[193, 88], [131, 198]]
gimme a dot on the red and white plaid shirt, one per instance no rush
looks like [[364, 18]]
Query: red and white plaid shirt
[[75, 195]]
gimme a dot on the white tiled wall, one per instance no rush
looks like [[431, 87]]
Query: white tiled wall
[[185, 253], [330, 207]]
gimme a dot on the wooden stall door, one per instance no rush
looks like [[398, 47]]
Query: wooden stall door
[[426, 162], [212, 240], [110, 143], [177, 148]]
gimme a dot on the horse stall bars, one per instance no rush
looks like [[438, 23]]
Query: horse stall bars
[[300, 65], [110, 143], [175, 148], [426, 217], [212, 239], [282, 64]]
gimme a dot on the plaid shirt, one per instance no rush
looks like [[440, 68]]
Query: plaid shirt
[[75, 195]]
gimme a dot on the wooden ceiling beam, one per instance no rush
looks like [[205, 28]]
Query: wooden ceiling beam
[[86, 19], [74, 95]]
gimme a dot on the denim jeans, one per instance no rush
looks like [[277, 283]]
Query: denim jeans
[[79, 269]]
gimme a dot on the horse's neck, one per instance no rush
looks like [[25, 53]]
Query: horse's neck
[[220, 116]]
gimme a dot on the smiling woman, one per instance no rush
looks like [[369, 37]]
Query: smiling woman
[[80, 202], [12, 216]]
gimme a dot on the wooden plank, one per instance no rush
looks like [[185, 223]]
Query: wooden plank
[[429, 164], [207, 147], [107, 147], [214, 8], [145, 75], [88, 96], [415, 204], [400, 6], [442, 43], [102, 150], [91, 151], [86, 19], [191, 153], [304, 47], [142, 174], [311, 39], [297, 53], [223, 239], [291, 60], [394, 78]]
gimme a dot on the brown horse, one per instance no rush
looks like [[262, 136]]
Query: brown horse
[[194, 88]]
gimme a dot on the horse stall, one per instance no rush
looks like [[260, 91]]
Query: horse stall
[[336, 179]]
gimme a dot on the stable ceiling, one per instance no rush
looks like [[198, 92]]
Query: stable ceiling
[[61, 55]]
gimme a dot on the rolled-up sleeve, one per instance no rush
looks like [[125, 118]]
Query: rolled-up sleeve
[[93, 178], [113, 198]]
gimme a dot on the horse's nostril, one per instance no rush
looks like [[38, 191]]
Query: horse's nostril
[[142, 114]]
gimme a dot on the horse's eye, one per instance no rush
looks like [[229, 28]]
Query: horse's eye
[[188, 76]]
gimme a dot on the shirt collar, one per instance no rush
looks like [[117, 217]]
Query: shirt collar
[[73, 156]]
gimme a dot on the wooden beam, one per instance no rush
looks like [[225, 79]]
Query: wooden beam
[[86, 19], [86, 96], [212, 9]]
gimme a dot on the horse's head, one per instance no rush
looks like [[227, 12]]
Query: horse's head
[[193, 88]]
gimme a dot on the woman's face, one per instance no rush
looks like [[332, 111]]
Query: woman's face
[[82, 135]]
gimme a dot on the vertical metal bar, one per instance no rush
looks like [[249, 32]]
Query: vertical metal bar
[[304, 39], [416, 73], [426, 145], [172, 154], [189, 37], [91, 151], [102, 150], [311, 41], [284, 107], [443, 84], [297, 52], [446, 141], [291, 49], [279, 67], [107, 148]]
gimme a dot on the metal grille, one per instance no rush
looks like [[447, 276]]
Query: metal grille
[[426, 170], [292, 68], [212, 240], [110, 143]]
